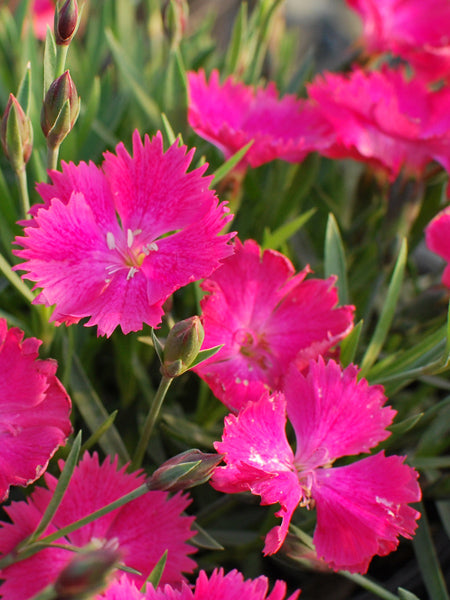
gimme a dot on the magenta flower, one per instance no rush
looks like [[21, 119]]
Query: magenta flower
[[231, 114], [43, 14], [362, 507], [143, 529], [437, 239], [34, 410], [415, 30], [267, 318], [385, 120], [218, 586], [114, 244]]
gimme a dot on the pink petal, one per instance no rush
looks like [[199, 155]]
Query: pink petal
[[334, 414], [362, 509]]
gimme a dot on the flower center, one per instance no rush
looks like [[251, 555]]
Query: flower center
[[254, 347], [127, 253]]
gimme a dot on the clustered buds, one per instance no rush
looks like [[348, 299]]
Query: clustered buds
[[182, 346], [184, 471], [60, 110], [66, 20], [16, 134]]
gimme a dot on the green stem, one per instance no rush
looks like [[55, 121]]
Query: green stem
[[52, 158], [44, 542], [16, 281], [61, 55], [150, 421], [369, 585], [23, 191]]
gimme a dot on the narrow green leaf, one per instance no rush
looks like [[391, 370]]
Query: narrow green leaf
[[22, 11], [89, 111], [61, 488], [205, 354], [428, 560], [159, 348], [387, 314], [277, 238], [431, 462], [335, 263], [237, 40], [405, 595], [170, 134], [15, 280], [50, 57], [93, 439], [204, 540], [155, 576], [24, 91], [132, 78], [349, 345], [227, 166], [93, 411], [406, 424]]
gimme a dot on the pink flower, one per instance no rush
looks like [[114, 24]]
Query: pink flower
[[232, 114], [362, 507], [437, 237], [43, 15], [142, 529], [267, 318], [385, 120], [218, 586], [415, 30], [34, 410], [114, 244]]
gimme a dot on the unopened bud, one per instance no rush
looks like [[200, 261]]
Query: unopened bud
[[66, 20], [16, 134], [86, 574], [60, 109], [182, 346], [176, 18], [184, 471]]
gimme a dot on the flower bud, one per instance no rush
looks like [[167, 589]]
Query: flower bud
[[182, 346], [176, 17], [60, 109], [16, 134], [184, 471], [66, 20], [86, 574]]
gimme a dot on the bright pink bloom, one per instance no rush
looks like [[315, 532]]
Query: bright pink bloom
[[413, 29], [217, 587], [143, 529], [43, 16], [361, 508], [267, 317], [437, 237], [114, 244], [34, 410], [385, 120], [231, 114]]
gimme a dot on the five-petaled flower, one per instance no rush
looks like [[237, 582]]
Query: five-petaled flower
[[34, 410], [362, 507], [267, 317], [114, 244], [142, 530], [232, 114]]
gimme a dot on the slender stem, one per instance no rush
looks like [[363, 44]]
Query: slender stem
[[61, 55], [150, 421], [16, 281], [369, 585], [52, 157], [23, 191]]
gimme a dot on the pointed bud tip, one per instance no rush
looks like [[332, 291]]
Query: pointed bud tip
[[182, 346], [184, 471], [66, 21]]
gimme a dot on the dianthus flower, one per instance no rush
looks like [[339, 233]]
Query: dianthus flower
[[34, 410], [218, 586], [232, 114], [142, 530], [415, 30], [114, 244], [383, 119], [437, 237], [43, 15], [267, 317], [362, 508]]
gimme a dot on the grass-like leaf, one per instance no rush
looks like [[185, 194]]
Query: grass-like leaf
[[335, 263]]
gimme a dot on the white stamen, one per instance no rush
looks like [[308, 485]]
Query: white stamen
[[137, 232], [130, 238], [110, 241], [152, 247], [132, 272]]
